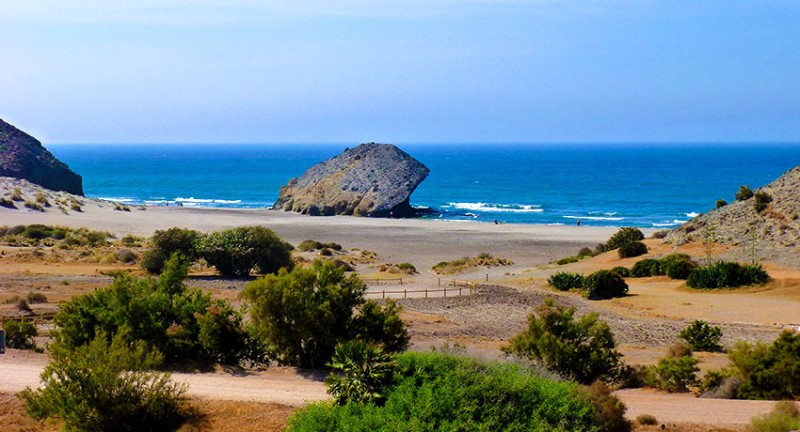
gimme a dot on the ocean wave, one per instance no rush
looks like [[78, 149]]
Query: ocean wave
[[692, 214], [595, 218], [679, 222], [121, 200], [664, 225], [603, 213], [196, 201], [497, 208]]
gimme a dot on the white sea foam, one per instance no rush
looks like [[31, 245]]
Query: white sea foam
[[596, 218], [692, 214], [122, 200], [664, 225], [679, 222], [196, 201], [498, 208]]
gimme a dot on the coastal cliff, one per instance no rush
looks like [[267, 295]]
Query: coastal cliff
[[373, 180], [23, 156], [770, 230]]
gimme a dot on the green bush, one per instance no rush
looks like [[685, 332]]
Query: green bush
[[438, 392], [604, 284], [677, 266], [360, 373], [622, 271], [768, 371], [702, 337], [167, 242], [647, 267], [564, 281], [104, 386], [762, 200], [20, 333], [673, 374], [622, 236], [303, 314], [646, 419], [237, 251], [36, 297], [632, 249], [784, 417], [182, 324], [724, 274], [407, 267], [744, 193], [569, 260], [7, 203], [583, 349], [721, 203]]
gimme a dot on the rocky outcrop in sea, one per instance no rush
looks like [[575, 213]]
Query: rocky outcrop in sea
[[773, 233], [23, 156], [374, 180]]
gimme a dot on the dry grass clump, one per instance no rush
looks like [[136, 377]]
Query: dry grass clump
[[467, 263], [402, 268]]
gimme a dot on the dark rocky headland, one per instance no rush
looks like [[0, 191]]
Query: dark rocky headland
[[23, 156], [372, 180]]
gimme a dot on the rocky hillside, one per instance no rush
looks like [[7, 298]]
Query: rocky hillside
[[23, 156], [370, 180], [772, 233]]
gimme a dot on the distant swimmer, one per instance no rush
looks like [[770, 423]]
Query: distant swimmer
[[579, 222]]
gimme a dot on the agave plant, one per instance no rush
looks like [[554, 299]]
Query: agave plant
[[361, 371]]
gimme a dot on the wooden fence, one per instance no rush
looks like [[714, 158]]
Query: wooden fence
[[453, 286]]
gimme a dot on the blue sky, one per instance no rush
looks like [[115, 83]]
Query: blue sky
[[401, 71]]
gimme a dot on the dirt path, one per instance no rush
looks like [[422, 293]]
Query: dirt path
[[288, 386], [686, 408]]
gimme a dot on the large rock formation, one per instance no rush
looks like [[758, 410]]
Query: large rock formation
[[369, 180], [772, 233], [24, 157]]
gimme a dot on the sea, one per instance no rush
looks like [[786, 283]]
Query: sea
[[601, 184]]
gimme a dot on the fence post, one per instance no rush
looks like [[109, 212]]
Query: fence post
[[401, 281], [445, 292], [459, 290], [439, 281], [426, 292], [383, 294], [487, 277], [405, 293]]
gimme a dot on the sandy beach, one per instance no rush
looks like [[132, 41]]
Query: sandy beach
[[423, 242]]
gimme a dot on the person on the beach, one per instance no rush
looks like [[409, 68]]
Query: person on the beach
[[579, 222]]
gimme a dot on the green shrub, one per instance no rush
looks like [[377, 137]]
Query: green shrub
[[564, 281], [673, 374], [182, 324], [679, 349], [646, 419], [632, 249], [16, 194], [721, 203], [622, 271], [784, 417], [237, 251], [360, 373], [33, 205], [744, 193], [609, 411], [585, 252], [167, 242], [647, 267], [768, 371], [437, 392], [583, 349], [90, 389], [604, 284], [702, 337], [20, 333], [152, 261], [622, 236], [569, 260], [678, 266], [631, 376], [303, 314], [660, 234], [7, 203], [724, 274], [762, 200], [407, 267], [309, 245], [35, 297], [127, 256]]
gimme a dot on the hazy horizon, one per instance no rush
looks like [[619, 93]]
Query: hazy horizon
[[405, 72]]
